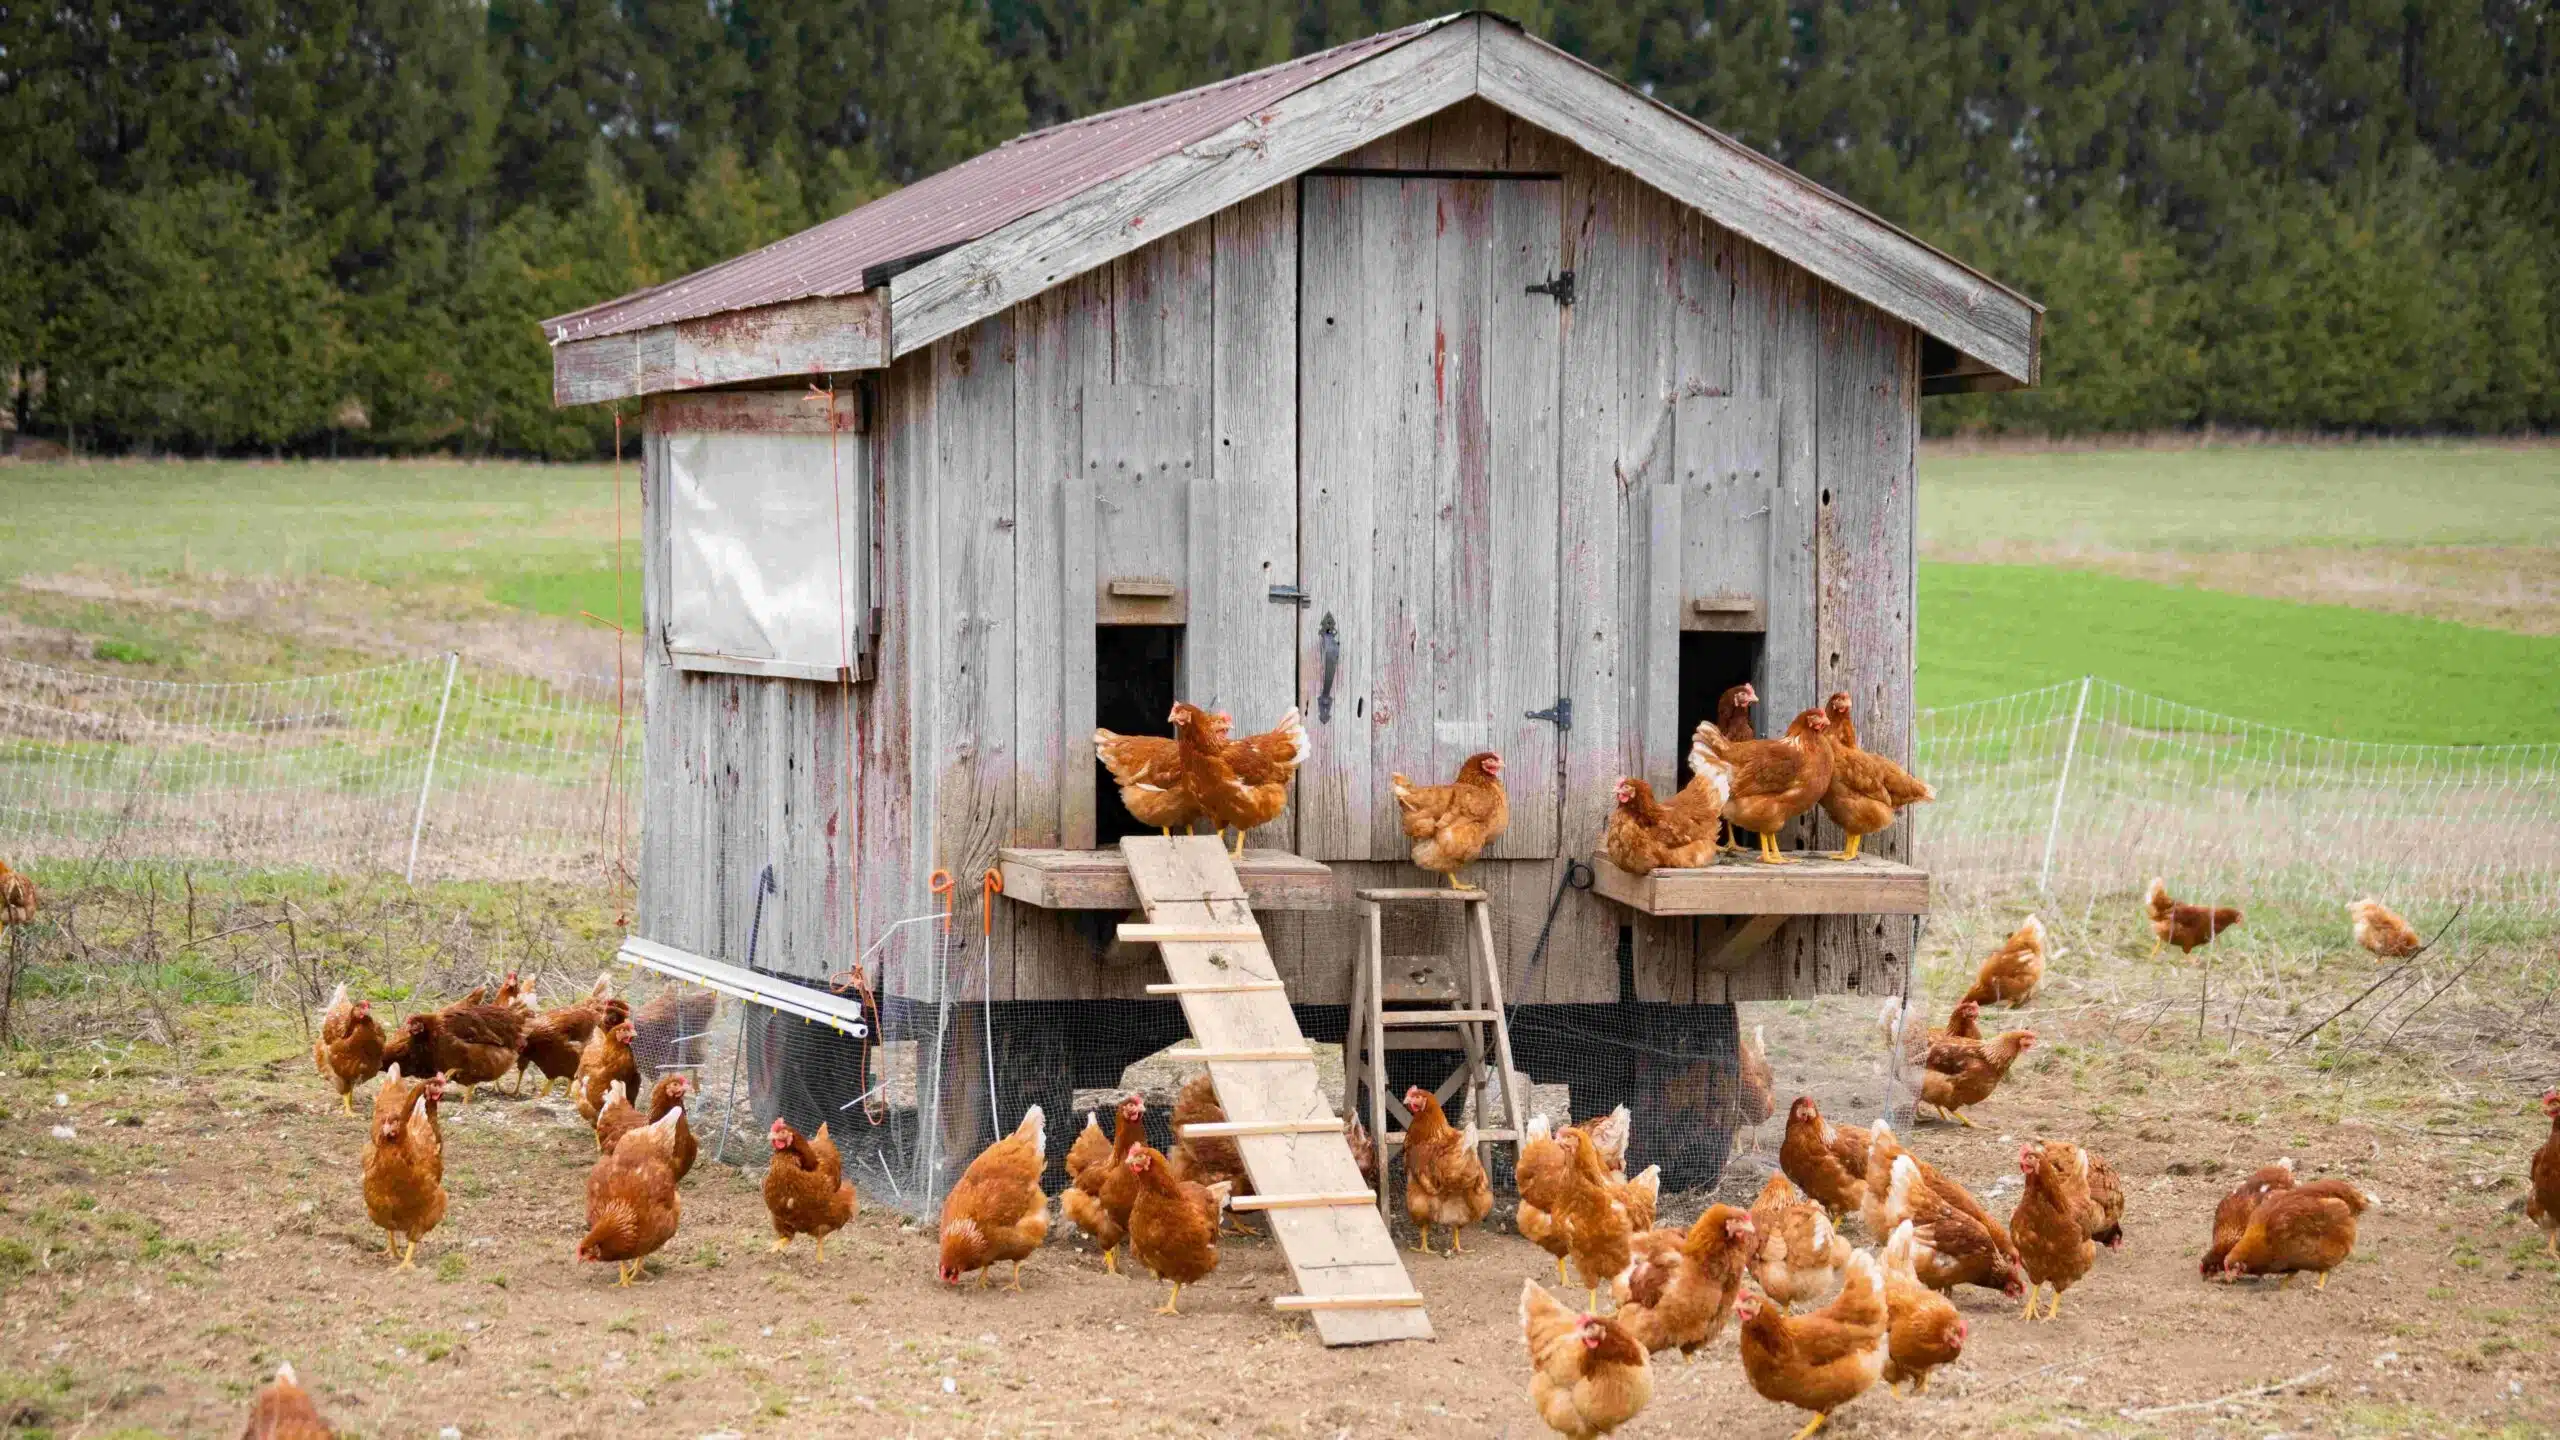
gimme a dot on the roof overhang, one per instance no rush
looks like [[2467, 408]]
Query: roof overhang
[[1987, 336]]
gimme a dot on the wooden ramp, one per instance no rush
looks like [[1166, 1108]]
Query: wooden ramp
[[1350, 1276]]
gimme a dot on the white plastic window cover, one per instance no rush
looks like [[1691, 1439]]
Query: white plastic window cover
[[767, 540]]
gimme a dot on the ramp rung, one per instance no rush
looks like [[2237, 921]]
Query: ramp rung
[[1346, 1302], [1228, 1057], [1136, 934], [1482, 1136], [1311, 1201], [1228, 1129], [1220, 987], [1444, 894], [1394, 1018]]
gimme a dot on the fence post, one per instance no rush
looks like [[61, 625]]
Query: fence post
[[426, 782], [2053, 827]]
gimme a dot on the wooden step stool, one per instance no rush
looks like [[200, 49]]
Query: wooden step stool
[[1467, 1017], [1350, 1276]]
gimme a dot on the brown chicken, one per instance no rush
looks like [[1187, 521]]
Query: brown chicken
[[1587, 1375], [1956, 1242], [2185, 926], [1884, 1153], [1091, 1144], [1238, 783], [618, 1119], [1598, 1232], [18, 901], [283, 1410], [1755, 1095], [632, 1205], [2231, 1217], [1824, 1360], [554, 1040], [2011, 974], [1451, 824], [404, 1165], [2380, 930], [1808, 1157], [1963, 1073], [1364, 1150], [804, 1187], [1924, 1330], [1148, 770], [2104, 1217], [349, 1050], [470, 1045], [1866, 790], [1680, 1286], [1444, 1181], [1099, 1200], [1173, 1225], [2542, 1199], [1733, 711], [668, 1032], [2053, 1244], [1800, 1254], [998, 1211], [2307, 1227], [514, 991], [1644, 835], [1540, 1178], [1774, 781], [605, 1066], [1210, 1160]]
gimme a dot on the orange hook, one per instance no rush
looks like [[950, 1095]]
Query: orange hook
[[941, 884], [993, 887]]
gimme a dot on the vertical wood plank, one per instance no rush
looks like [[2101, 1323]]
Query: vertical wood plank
[[1407, 361], [1523, 375], [1142, 455], [1337, 524], [1048, 444]]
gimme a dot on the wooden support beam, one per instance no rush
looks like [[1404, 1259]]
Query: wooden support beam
[[1436, 1017], [1231, 1057], [801, 337]]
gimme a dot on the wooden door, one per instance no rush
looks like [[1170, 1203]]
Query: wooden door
[[1429, 498]]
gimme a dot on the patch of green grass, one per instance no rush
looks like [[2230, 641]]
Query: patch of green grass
[[568, 592], [1989, 630], [2244, 497], [451, 1268]]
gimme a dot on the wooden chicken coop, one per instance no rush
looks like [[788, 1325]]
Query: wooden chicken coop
[[1436, 385]]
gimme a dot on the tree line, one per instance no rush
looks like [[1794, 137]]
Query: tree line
[[310, 226]]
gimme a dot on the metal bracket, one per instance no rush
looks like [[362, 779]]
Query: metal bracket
[[1290, 595], [1560, 714], [1559, 285], [1329, 644]]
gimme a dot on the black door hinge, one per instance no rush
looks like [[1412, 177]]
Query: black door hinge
[[1559, 285], [1289, 595], [1560, 714]]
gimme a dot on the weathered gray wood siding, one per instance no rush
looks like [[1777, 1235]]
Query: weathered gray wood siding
[[1727, 424]]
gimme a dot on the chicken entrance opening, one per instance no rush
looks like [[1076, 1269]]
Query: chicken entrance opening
[[1712, 662], [1135, 667]]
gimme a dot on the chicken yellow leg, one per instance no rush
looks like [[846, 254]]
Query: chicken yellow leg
[[1017, 1277], [1769, 849], [1849, 851], [1171, 1301], [2321, 1283], [1457, 1240], [1816, 1423], [2053, 1307], [2034, 1293], [1238, 852], [1424, 1244], [346, 1102], [409, 1256], [822, 1247], [781, 1243], [1111, 1260], [1560, 1270], [2156, 943]]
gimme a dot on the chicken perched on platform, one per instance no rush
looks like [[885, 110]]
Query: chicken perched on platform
[[1238, 784], [1099, 1200], [1811, 1156], [2053, 1244], [997, 1212], [632, 1205], [1173, 1224], [1962, 1073], [1212, 1159], [1444, 1182], [1644, 835], [554, 1040], [805, 1191], [1451, 824], [2011, 974], [404, 1164], [1799, 1255], [2542, 1199], [1588, 1375], [1866, 790], [283, 1410], [349, 1050], [1148, 770], [2302, 1228], [2231, 1217], [2381, 931], [1774, 781], [1680, 1285], [1823, 1360], [1924, 1330], [2189, 927]]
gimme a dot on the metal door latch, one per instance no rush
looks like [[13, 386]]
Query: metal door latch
[[1289, 595], [1328, 644], [1559, 285], [1560, 714]]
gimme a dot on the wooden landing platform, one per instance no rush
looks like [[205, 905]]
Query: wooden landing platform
[[1813, 885], [1099, 880]]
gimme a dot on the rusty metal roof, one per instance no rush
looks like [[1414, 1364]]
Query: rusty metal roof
[[974, 198]]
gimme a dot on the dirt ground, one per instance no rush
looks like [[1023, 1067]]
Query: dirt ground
[[201, 1226]]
